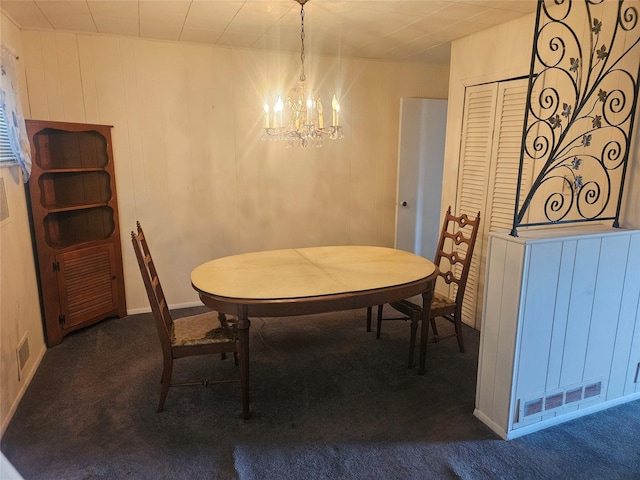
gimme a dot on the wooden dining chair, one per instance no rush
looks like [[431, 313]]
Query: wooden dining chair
[[453, 259], [204, 334]]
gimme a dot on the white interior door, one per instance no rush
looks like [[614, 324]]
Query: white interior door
[[420, 165]]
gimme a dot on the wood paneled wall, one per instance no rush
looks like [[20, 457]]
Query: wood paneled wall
[[560, 327], [190, 164], [20, 318]]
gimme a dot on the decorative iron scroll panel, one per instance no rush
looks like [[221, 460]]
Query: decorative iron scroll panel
[[581, 103]]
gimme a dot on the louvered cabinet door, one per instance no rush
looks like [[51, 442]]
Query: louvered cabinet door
[[473, 179], [511, 101], [490, 157], [88, 285], [505, 156]]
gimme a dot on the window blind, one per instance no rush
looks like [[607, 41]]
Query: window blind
[[6, 154]]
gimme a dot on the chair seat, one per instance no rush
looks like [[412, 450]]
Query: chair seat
[[202, 329], [441, 305]]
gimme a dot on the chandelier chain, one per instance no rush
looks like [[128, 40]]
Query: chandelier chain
[[302, 76]]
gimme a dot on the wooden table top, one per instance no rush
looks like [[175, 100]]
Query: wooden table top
[[309, 272]]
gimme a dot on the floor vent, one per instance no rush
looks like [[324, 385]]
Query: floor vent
[[559, 399]]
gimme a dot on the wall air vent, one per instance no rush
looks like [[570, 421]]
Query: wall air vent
[[23, 354], [4, 206], [557, 400]]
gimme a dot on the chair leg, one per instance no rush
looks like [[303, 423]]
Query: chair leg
[[369, 319], [243, 333], [379, 326], [457, 322], [165, 381], [412, 340], [434, 327]]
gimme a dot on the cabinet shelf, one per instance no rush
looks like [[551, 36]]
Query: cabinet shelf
[[56, 171], [80, 225], [73, 207], [58, 149], [64, 189]]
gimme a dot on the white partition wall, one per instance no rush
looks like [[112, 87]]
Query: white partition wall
[[560, 331]]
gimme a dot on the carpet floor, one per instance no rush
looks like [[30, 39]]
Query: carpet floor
[[329, 401]]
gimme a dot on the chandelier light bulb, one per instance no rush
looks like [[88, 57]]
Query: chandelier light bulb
[[335, 106], [309, 106], [266, 115], [277, 113]]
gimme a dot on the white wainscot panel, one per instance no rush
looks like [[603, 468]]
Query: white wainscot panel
[[560, 332]]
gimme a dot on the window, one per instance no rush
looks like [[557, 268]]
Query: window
[[6, 154], [14, 147]]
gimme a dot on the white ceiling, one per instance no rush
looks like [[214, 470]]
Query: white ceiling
[[408, 31]]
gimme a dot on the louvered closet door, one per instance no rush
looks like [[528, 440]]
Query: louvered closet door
[[490, 154], [86, 283]]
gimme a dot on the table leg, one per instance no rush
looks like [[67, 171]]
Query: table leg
[[427, 298], [243, 333], [412, 339]]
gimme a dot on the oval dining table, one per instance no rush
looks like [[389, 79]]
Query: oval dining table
[[302, 281]]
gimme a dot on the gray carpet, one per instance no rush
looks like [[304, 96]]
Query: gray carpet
[[329, 402]]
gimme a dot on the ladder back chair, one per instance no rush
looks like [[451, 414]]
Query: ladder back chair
[[453, 259], [204, 334]]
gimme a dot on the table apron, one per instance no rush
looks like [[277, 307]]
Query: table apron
[[319, 304]]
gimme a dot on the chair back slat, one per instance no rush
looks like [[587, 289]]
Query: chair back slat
[[153, 287], [455, 250]]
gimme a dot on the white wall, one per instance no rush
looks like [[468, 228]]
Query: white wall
[[19, 304], [498, 53], [630, 211], [190, 164], [189, 161]]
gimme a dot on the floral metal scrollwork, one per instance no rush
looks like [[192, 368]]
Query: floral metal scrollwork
[[581, 103]]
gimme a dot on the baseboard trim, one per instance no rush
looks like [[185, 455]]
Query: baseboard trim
[[551, 422], [490, 423], [572, 415], [136, 311]]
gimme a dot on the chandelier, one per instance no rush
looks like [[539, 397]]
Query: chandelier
[[299, 119]]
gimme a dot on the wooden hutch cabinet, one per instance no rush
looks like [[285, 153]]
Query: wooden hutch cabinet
[[74, 216]]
